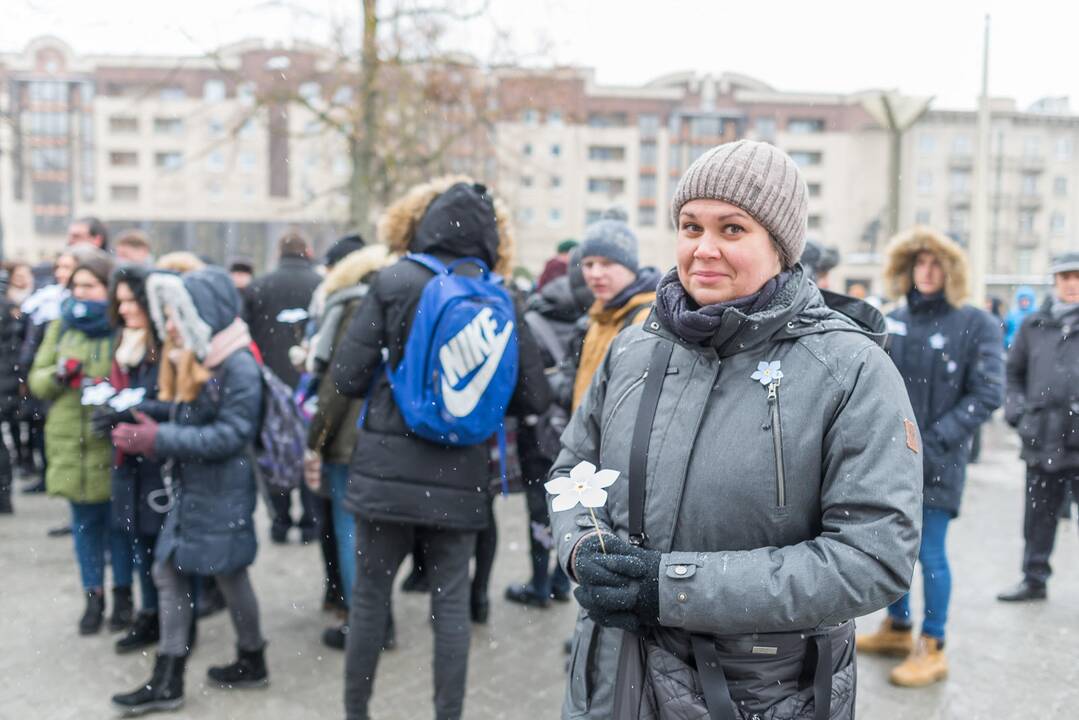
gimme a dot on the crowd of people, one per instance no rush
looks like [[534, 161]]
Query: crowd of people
[[724, 452]]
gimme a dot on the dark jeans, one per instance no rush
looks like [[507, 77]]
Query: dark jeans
[[92, 531], [540, 542], [142, 551], [281, 504], [1045, 494], [936, 575], [327, 540], [380, 549], [486, 547]]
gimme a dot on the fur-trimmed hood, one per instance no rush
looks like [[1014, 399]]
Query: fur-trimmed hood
[[354, 267], [205, 302], [399, 225], [904, 249]]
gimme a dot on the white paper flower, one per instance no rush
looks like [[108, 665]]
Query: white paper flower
[[584, 486], [127, 399], [767, 372], [97, 394]]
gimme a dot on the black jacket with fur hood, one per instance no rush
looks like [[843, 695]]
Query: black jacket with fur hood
[[396, 476]]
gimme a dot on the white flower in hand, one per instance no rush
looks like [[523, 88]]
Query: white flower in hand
[[585, 486], [767, 372]]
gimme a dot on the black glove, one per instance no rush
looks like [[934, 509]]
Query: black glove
[[619, 588], [104, 419]]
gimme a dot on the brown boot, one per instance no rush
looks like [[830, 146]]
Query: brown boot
[[888, 640], [925, 665]]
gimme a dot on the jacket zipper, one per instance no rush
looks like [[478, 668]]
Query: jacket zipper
[[777, 444]]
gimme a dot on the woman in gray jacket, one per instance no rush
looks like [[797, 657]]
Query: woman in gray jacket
[[770, 467]]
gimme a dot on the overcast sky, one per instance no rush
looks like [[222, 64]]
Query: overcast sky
[[929, 47]]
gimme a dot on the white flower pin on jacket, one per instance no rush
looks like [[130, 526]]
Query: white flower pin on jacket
[[767, 372]]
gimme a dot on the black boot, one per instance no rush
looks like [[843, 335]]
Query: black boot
[[335, 637], [144, 632], [92, 617], [249, 671], [1024, 591], [123, 610], [164, 690], [5, 495], [479, 608], [526, 595]]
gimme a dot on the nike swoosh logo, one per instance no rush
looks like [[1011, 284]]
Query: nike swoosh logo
[[461, 403]]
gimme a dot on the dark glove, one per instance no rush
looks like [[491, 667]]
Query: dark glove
[[135, 438], [619, 588], [104, 419], [69, 372]]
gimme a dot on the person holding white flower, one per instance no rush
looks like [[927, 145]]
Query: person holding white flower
[[769, 467]]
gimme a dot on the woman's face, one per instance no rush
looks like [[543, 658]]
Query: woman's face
[[21, 277], [129, 309], [86, 286], [65, 265], [722, 253]]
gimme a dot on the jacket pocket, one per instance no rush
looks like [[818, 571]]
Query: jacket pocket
[[776, 425]]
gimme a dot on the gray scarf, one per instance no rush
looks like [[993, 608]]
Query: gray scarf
[[1060, 310], [697, 324]]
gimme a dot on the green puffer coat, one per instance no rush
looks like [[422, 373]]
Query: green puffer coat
[[80, 463]]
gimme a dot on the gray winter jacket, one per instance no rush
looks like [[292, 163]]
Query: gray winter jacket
[[825, 531], [1043, 390]]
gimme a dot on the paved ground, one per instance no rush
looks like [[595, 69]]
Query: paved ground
[[1007, 662]]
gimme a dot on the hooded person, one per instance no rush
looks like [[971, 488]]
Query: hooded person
[[403, 488], [622, 289], [1024, 305], [74, 357], [749, 520], [1043, 406], [950, 357], [214, 383]]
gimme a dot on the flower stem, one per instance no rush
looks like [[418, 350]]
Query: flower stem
[[602, 545]]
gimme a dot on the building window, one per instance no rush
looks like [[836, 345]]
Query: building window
[[1026, 221], [705, 127], [556, 181], [51, 158], [647, 187], [607, 120], [960, 181], [925, 182], [646, 216], [805, 126], [124, 193], [921, 217], [245, 93], [648, 124], [526, 150], [556, 150], [123, 158], [962, 145], [343, 96], [213, 90], [592, 216], [554, 216], [649, 154], [311, 92], [554, 117], [1064, 148], [927, 144], [674, 158], [171, 160], [610, 186], [803, 158], [169, 126], [123, 124], [530, 117], [813, 222], [1024, 260], [248, 128], [53, 124], [958, 220], [215, 128], [526, 181], [525, 215], [1060, 186], [342, 166], [172, 93], [1057, 224], [1032, 147], [215, 161], [814, 189], [248, 161], [1030, 184], [766, 129], [606, 153]]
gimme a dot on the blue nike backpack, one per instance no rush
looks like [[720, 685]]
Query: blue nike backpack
[[459, 368]]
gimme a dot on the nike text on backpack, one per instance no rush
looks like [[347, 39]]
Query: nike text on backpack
[[459, 368]]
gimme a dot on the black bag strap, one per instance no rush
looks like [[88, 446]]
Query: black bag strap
[[821, 648], [642, 434], [717, 696]]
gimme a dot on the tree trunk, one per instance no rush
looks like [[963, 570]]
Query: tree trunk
[[364, 138]]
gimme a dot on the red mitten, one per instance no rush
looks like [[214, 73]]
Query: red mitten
[[137, 438]]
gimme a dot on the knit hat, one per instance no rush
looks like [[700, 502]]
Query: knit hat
[[759, 178], [611, 238], [566, 245], [97, 262], [1067, 262], [345, 246]]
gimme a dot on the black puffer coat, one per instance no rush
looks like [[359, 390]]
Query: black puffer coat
[[12, 376], [396, 476], [268, 302]]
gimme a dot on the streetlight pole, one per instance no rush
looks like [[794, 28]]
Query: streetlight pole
[[980, 206]]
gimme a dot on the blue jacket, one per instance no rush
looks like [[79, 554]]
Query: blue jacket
[[953, 366], [135, 476], [210, 529], [1014, 320]]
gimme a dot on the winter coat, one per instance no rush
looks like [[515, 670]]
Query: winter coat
[[12, 376], [332, 431], [951, 359], [210, 529], [276, 309], [396, 476], [753, 541], [134, 477], [1043, 390], [604, 323], [1018, 314], [79, 462]]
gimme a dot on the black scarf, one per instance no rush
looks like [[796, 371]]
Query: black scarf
[[645, 281], [696, 324], [922, 303]]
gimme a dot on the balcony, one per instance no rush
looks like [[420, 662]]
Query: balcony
[[1027, 240], [1030, 201], [961, 161], [1032, 163]]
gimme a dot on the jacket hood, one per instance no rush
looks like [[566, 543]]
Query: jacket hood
[[1025, 292], [167, 290], [452, 214], [351, 269], [215, 297], [904, 249]]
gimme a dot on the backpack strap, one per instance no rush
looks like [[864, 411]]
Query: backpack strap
[[642, 435], [428, 261]]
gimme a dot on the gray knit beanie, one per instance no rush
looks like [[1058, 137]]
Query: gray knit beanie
[[611, 238], [759, 178]]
